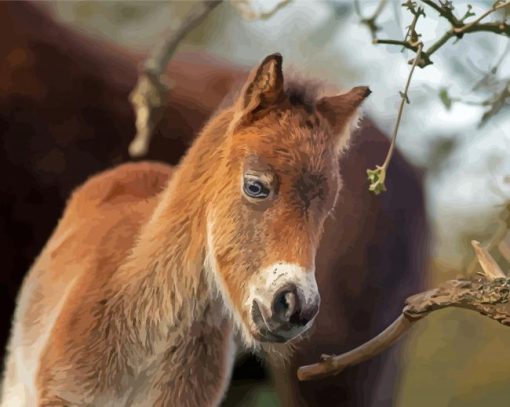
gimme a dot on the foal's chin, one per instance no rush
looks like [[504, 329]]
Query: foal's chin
[[264, 335]]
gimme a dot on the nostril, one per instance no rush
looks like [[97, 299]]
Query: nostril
[[290, 301], [286, 305], [308, 313]]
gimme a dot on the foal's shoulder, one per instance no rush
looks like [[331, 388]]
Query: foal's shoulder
[[126, 182]]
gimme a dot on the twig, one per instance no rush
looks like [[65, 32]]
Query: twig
[[335, 364], [404, 100], [438, 44], [150, 93], [247, 12], [473, 23], [402, 43], [499, 88], [487, 297], [496, 103], [496, 28], [371, 22], [377, 176], [458, 28], [444, 11], [489, 77]]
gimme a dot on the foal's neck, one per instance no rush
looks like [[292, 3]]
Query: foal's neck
[[166, 282]]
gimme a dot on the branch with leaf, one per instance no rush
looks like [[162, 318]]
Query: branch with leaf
[[459, 27], [487, 291]]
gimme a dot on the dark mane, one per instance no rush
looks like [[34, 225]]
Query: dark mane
[[303, 92]]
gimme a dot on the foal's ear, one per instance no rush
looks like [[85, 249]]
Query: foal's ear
[[341, 111], [264, 86]]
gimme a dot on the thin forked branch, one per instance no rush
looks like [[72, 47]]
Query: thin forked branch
[[377, 176], [371, 22], [497, 6], [335, 364], [444, 11], [405, 99], [459, 27]]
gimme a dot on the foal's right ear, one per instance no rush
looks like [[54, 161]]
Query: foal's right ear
[[341, 111], [264, 87]]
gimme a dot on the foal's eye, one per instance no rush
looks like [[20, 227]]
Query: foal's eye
[[255, 188]]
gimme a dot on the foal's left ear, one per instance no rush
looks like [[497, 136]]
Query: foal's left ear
[[341, 111], [264, 86]]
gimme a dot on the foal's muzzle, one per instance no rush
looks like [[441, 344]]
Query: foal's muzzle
[[287, 315]]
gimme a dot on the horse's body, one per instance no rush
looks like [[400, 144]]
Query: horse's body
[[371, 256], [97, 233], [135, 297]]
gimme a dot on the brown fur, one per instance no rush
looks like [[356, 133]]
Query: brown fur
[[370, 243], [133, 293]]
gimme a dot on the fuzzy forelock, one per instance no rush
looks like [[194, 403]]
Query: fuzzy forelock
[[301, 91]]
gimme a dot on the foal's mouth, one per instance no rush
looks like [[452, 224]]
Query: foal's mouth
[[268, 331], [263, 334]]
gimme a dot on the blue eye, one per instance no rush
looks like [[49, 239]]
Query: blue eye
[[255, 188]]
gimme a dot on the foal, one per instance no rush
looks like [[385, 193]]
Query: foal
[[137, 295]]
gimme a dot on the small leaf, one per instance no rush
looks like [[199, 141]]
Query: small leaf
[[376, 178], [445, 98], [469, 13]]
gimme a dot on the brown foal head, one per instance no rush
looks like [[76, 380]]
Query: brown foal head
[[276, 181]]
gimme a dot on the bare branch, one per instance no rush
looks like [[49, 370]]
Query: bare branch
[[487, 297], [377, 176], [247, 12], [436, 45], [496, 103], [445, 12], [405, 99], [150, 93], [402, 43], [331, 365], [457, 30], [472, 24], [371, 22]]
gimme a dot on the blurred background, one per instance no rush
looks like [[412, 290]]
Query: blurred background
[[453, 358]]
